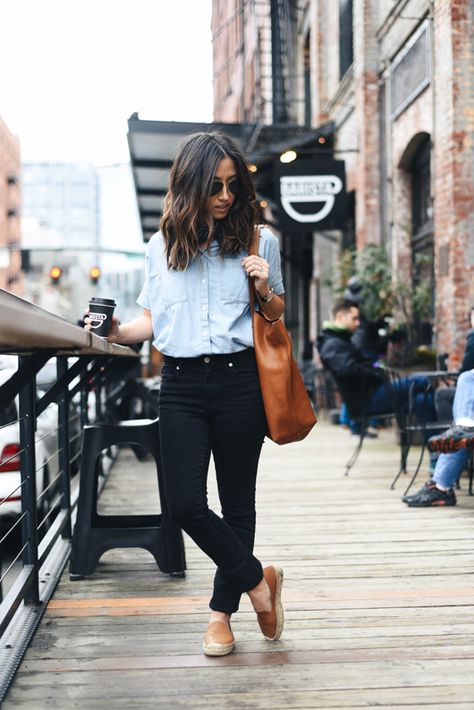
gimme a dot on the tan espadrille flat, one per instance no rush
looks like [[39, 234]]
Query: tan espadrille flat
[[219, 639], [271, 622]]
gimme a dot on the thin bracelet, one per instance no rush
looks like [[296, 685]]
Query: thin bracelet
[[268, 296]]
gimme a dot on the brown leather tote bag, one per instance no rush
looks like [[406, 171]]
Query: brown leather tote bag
[[290, 416]]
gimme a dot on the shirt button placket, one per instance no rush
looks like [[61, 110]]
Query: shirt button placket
[[205, 308]]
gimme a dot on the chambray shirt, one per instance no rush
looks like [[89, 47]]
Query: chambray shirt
[[205, 309]]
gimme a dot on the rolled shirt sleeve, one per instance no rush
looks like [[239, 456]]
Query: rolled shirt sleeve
[[270, 249]]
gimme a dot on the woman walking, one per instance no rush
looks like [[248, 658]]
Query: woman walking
[[196, 308]]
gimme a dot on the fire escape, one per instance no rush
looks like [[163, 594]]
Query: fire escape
[[275, 65], [281, 58]]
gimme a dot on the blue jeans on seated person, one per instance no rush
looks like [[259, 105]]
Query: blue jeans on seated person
[[450, 466], [354, 426], [414, 386]]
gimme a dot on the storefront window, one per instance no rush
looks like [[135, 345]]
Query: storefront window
[[345, 36], [307, 81]]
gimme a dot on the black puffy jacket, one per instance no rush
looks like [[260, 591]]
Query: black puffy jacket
[[354, 373], [468, 359]]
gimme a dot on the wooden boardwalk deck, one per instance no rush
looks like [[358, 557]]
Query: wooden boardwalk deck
[[379, 601]]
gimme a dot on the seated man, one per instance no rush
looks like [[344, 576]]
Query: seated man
[[368, 336], [362, 385], [457, 440]]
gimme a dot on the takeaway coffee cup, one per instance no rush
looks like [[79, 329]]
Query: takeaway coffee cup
[[101, 311]]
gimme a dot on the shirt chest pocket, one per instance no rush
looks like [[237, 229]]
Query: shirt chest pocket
[[170, 287], [234, 286]]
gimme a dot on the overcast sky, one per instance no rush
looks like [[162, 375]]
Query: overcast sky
[[73, 71]]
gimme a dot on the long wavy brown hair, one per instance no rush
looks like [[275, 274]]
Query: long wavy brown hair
[[186, 222]]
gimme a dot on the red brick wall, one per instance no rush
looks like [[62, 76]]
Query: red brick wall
[[227, 28], [347, 139], [367, 122], [10, 275], [242, 83], [445, 111], [454, 172]]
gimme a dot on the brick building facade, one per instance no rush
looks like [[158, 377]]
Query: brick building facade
[[396, 78], [242, 65], [10, 255]]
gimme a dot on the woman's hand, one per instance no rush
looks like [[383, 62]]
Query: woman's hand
[[114, 332], [135, 331], [257, 268]]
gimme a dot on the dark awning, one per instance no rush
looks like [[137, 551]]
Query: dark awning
[[153, 145]]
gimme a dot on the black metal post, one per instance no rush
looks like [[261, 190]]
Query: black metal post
[[307, 275], [64, 446], [29, 525], [98, 400], [84, 398]]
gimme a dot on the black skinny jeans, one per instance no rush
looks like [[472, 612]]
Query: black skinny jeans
[[213, 404]]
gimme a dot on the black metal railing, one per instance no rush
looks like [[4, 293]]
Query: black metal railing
[[41, 437]]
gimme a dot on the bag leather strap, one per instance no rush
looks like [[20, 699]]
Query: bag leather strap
[[253, 250]]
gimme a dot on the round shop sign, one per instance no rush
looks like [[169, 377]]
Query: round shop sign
[[321, 190]]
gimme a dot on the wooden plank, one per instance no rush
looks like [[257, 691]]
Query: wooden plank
[[110, 651], [248, 657], [173, 683], [378, 601], [400, 597], [324, 700]]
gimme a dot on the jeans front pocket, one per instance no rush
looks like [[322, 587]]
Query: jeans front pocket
[[240, 381], [169, 373]]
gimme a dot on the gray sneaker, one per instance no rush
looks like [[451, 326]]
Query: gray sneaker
[[432, 497], [429, 484]]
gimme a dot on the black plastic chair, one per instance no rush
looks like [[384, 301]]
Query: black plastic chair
[[94, 534]]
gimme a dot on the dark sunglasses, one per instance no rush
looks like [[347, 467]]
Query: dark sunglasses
[[217, 186]]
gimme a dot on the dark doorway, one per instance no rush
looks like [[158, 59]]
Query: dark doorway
[[422, 232]]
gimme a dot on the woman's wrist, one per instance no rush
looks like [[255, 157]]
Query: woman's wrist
[[267, 297], [135, 331], [273, 307], [115, 337], [266, 292]]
